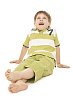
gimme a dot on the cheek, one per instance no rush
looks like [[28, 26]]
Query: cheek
[[48, 24], [35, 24]]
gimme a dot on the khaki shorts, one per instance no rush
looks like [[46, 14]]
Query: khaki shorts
[[41, 65]]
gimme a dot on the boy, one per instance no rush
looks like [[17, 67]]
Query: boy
[[43, 55]]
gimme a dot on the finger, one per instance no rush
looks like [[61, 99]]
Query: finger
[[13, 61], [63, 66], [66, 66]]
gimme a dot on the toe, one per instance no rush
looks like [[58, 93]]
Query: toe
[[7, 72], [10, 88]]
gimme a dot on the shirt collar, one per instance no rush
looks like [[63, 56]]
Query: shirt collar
[[34, 30]]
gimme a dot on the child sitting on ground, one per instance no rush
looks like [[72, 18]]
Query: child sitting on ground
[[43, 55]]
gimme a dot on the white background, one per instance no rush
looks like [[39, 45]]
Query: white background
[[16, 20]]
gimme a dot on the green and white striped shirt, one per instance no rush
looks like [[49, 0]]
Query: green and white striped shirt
[[42, 42]]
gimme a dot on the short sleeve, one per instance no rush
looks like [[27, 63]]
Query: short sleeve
[[56, 40], [26, 42]]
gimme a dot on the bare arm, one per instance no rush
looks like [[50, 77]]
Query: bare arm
[[58, 55], [22, 54], [58, 59]]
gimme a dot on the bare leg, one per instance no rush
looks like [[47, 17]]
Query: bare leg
[[14, 76], [20, 85]]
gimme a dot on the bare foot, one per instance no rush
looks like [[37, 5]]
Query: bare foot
[[7, 73], [13, 76], [18, 86]]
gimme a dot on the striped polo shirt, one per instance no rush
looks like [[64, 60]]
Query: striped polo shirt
[[42, 42]]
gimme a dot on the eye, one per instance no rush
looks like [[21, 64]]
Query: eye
[[38, 17], [44, 17]]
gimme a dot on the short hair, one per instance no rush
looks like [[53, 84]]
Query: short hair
[[45, 13]]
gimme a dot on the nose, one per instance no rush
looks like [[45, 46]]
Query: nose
[[41, 19]]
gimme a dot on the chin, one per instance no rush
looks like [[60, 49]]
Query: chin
[[41, 29]]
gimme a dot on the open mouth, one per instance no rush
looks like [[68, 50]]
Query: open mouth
[[41, 23]]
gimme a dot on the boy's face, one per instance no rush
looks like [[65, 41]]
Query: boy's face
[[41, 22]]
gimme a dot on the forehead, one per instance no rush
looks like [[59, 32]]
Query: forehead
[[41, 14]]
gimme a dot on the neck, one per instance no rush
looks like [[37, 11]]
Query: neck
[[41, 30]]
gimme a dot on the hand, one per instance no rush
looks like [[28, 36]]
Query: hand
[[63, 66], [15, 61]]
